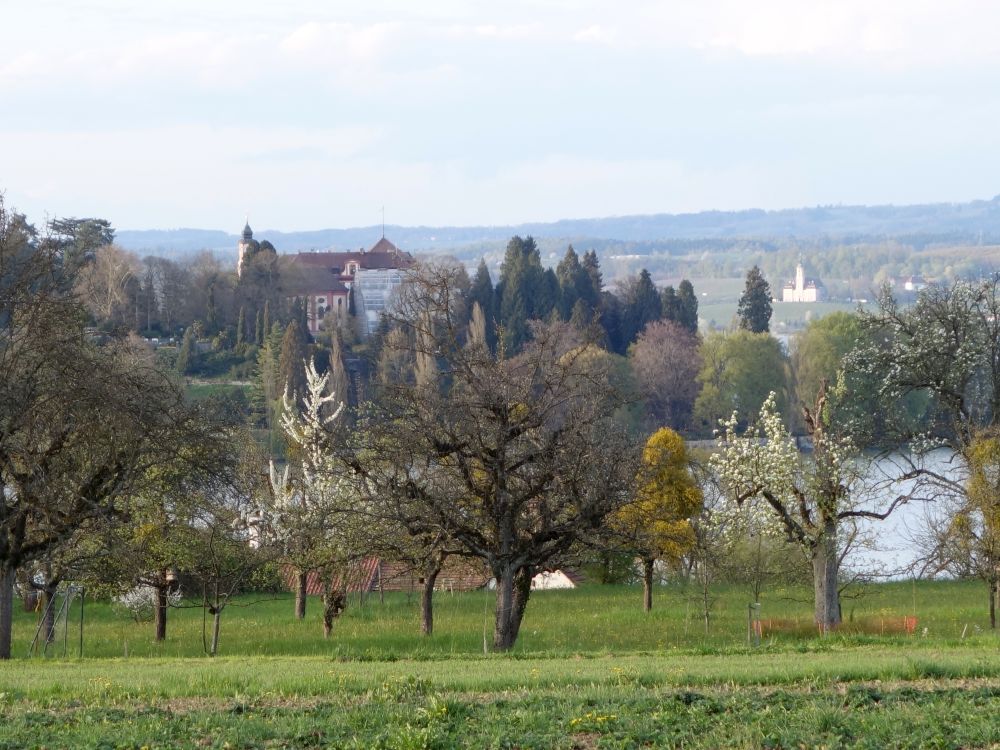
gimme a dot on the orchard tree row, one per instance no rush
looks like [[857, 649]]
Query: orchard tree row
[[516, 454]]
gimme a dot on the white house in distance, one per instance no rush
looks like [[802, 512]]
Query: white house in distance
[[803, 289]]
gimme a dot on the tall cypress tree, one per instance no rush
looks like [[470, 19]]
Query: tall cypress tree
[[291, 363], [482, 292], [687, 306], [338, 373], [670, 303], [212, 316], [568, 272], [755, 305], [258, 331], [592, 266], [186, 353], [522, 282], [642, 305], [241, 328], [547, 296], [612, 314]]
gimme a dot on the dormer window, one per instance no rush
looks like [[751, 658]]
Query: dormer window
[[352, 268]]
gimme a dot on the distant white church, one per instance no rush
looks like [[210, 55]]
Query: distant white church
[[803, 289]]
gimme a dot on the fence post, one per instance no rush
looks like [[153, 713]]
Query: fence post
[[753, 624]]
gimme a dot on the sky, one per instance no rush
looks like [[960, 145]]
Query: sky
[[307, 115]]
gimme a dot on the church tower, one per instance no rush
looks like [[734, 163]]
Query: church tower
[[243, 246]]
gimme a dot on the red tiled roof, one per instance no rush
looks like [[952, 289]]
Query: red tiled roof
[[457, 575], [313, 280], [384, 246], [383, 254]]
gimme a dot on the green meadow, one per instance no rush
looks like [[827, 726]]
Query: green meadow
[[590, 670]]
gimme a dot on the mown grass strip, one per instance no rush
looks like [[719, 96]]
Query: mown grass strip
[[112, 680]]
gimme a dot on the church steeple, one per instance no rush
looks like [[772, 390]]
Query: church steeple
[[243, 246]]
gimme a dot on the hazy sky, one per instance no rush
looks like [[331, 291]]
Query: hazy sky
[[177, 113]]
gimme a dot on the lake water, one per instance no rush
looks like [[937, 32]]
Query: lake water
[[895, 539]]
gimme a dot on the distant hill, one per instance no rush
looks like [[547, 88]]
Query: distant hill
[[975, 222]]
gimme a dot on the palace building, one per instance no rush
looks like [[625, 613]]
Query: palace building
[[338, 283], [327, 282], [803, 289]]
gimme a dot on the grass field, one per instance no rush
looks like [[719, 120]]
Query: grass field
[[601, 619], [590, 670], [718, 299]]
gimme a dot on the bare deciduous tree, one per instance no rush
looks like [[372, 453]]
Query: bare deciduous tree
[[512, 459]]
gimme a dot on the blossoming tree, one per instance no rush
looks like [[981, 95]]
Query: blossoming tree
[[812, 496], [311, 500]]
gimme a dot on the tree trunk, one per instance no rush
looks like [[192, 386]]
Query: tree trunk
[[503, 639], [427, 602], [216, 623], [513, 590], [826, 566], [301, 589], [334, 602], [647, 584], [522, 590], [6, 609], [706, 599], [993, 603], [160, 614]]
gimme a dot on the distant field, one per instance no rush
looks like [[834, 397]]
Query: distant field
[[786, 315], [591, 670], [718, 300]]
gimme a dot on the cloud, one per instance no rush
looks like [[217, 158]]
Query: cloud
[[459, 112], [314, 42], [898, 33]]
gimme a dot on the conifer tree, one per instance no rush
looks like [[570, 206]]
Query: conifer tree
[[547, 296], [241, 325], [337, 372], [524, 293], [482, 293], [186, 353], [258, 331], [755, 304], [592, 266], [294, 351], [574, 284], [687, 306], [267, 316], [612, 314], [642, 305], [670, 304], [212, 315], [580, 316]]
